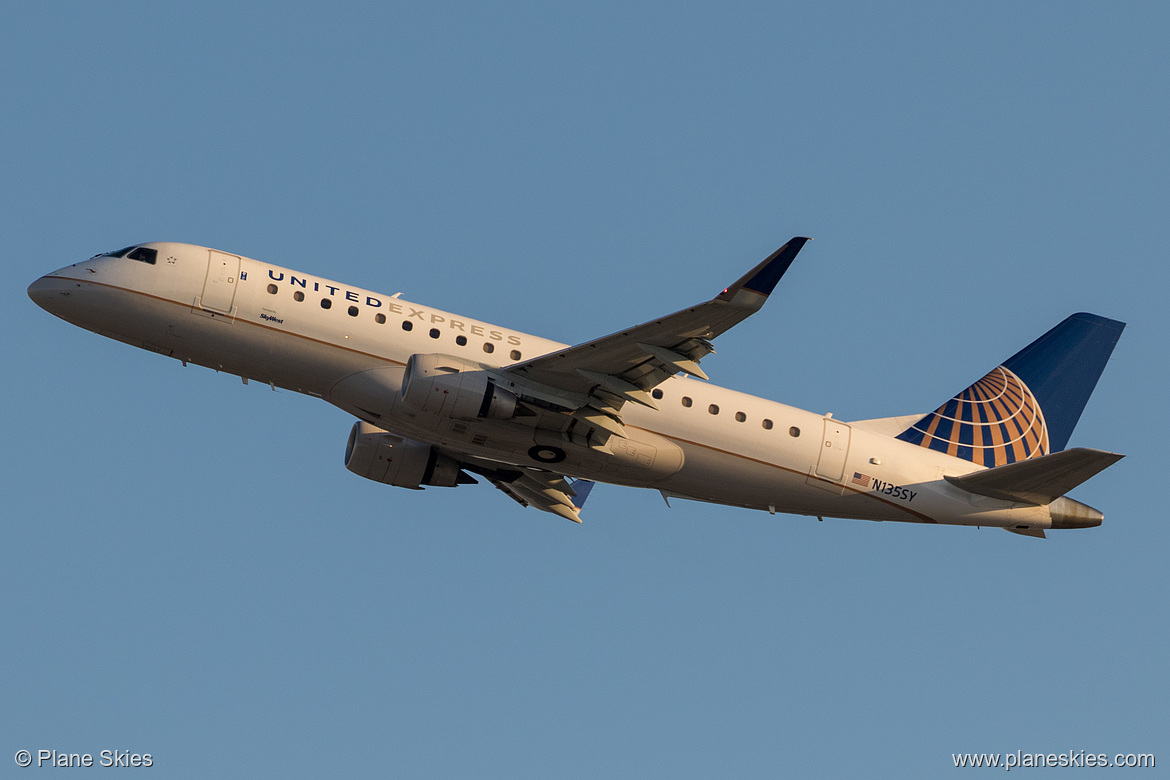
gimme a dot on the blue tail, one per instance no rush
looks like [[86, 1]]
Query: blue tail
[[1028, 406]]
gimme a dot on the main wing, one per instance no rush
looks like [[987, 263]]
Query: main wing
[[580, 391], [594, 380]]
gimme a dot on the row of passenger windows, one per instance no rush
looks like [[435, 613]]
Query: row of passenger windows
[[380, 318], [688, 402], [461, 340]]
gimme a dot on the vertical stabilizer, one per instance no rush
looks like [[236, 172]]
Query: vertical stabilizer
[[1028, 406]]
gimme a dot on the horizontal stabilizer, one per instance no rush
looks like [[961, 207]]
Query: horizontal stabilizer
[[1038, 481]]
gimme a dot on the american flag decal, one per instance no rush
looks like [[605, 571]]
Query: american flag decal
[[860, 479]]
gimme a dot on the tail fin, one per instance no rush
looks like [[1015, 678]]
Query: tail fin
[[1028, 406]]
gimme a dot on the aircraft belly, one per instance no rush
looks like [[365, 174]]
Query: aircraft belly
[[240, 347], [738, 480], [642, 460]]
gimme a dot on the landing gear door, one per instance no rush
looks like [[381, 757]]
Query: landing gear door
[[834, 448], [219, 291]]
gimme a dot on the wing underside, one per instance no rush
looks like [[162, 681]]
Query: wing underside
[[544, 490]]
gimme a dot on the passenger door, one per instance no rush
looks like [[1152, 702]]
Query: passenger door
[[834, 448], [219, 291]]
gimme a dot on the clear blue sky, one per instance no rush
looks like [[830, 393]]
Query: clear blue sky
[[188, 570]]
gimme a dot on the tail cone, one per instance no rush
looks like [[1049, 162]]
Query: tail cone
[[1067, 513]]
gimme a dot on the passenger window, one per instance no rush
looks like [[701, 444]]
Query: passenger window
[[794, 432], [713, 409], [461, 341], [434, 333], [767, 425], [144, 254], [353, 311], [656, 393], [740, 417], [272, 289], [407, 324], [298, 296], [686, 402], [326, 303], [380, 318], [489, 347], [515, 354]]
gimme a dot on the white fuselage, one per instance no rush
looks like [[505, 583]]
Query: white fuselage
[[270, 324]]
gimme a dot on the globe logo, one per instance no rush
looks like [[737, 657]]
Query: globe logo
[[993, 422]]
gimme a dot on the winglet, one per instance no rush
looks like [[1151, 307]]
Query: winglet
[[581, 488], [754, 287]]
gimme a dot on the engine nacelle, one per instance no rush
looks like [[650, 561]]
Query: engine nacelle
[[448, 387], [383, 457]]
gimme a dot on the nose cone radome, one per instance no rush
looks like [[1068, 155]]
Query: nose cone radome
[[44, 290]]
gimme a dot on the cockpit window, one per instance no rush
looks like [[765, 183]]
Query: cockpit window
[[141, 253], [145, 254]]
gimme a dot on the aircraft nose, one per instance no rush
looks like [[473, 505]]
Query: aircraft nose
[[41, 291], [51, 292]]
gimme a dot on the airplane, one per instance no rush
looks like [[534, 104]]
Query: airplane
[[441, 398]]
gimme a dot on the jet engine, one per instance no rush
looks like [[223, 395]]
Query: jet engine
[[383, 457], [448, 387]]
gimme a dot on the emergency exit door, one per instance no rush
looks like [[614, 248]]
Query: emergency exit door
[[834, 448]]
